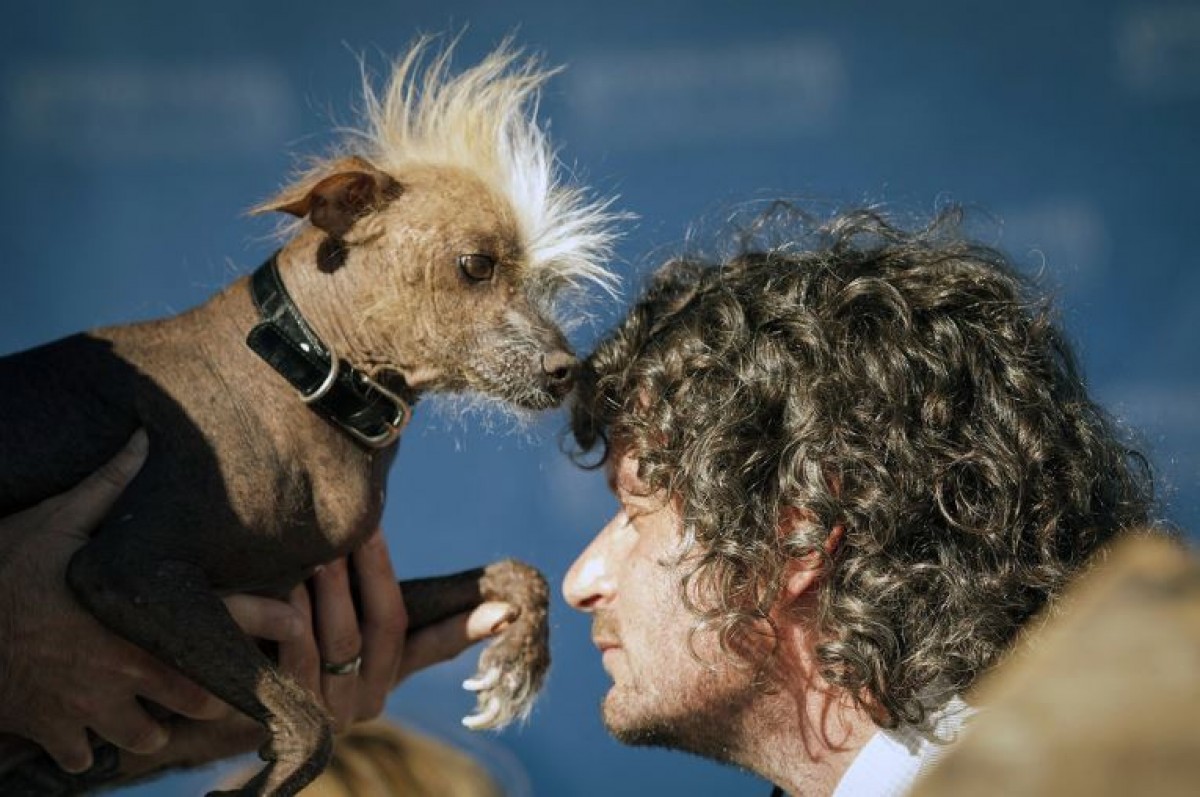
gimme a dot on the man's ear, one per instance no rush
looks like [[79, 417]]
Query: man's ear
[[804, 572], [338, 197]]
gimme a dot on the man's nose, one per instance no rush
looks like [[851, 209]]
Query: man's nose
[[590, 583]]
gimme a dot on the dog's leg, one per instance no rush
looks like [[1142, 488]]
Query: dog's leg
[[435, 598], [513, 666], [169, 609]]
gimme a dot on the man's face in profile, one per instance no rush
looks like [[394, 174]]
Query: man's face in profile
[[629, 580]]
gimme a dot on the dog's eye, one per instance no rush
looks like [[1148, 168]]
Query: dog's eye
[[477, 267]]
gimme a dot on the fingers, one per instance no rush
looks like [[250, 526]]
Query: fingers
[[180, 695], [131, 728], [489, 619], [299, 656], [447, 639], [125, 724], [195, 743], [338, 637], [82, 507], [384, 622], [334, 633], [169, 688], [70, 750], [262, 618], [266, 618]]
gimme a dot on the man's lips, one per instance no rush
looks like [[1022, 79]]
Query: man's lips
[[604, 632], [610, 650]]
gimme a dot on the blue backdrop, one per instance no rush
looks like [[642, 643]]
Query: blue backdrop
[[133, 135]]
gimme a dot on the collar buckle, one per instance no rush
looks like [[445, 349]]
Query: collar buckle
[[394, 426], [335, 366]]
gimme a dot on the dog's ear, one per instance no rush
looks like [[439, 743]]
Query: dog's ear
[[337, 197]]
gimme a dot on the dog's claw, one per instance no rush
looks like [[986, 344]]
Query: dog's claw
[[485, 718], [482, 682]]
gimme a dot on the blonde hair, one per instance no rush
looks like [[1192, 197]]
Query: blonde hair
[[379, 759], [484, 121]]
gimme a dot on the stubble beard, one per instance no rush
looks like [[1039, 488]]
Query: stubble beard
[[703, 720]]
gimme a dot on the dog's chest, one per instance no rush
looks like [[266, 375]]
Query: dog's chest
[[292, 520], [273, 489], [322, 501]]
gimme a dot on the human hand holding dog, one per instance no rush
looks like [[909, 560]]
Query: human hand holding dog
[[336, 630], [374, 631], [321, 622], [61, 672]]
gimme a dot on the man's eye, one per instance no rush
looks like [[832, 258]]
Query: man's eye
[[477, 267]]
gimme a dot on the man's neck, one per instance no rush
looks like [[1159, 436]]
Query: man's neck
[[804, 733], [806, 739]]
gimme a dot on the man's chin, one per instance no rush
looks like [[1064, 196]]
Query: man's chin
[[700, 729], [622, 722], [642, 729], [644, 734], [708, 742]]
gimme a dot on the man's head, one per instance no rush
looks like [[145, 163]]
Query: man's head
[[894, 413]]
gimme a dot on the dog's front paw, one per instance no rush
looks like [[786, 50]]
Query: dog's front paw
[[513, 666]]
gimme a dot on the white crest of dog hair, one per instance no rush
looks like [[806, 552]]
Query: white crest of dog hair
[[484, 119]]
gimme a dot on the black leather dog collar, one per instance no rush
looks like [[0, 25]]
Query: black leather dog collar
[[368, 412]]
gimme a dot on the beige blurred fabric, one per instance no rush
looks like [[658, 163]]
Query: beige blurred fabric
[[1105, 697]]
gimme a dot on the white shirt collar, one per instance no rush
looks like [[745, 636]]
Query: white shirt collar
[[890, 763]]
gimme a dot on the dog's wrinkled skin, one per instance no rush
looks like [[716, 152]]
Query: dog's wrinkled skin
[[246, 488]]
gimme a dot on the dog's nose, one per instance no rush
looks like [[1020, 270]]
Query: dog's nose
[[559, 368]]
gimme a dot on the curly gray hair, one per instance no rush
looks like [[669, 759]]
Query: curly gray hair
[[908, 386]]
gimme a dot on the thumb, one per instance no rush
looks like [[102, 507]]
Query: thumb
[[445, 640], [82, 507]]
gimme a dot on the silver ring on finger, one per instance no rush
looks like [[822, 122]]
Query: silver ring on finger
[[350, 667]]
